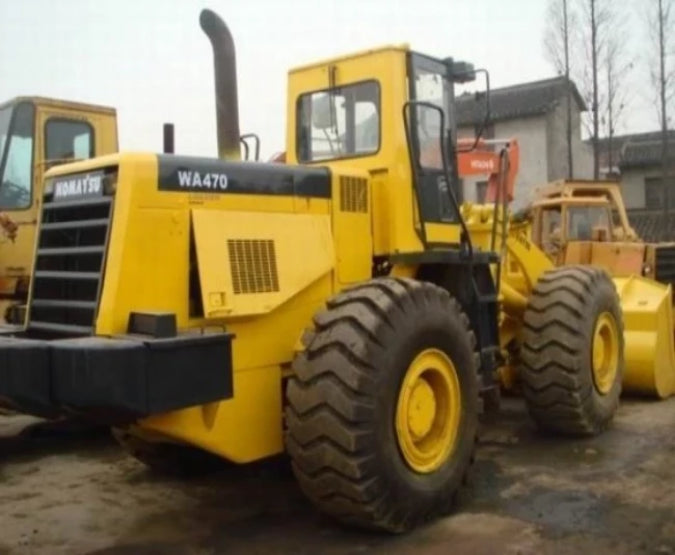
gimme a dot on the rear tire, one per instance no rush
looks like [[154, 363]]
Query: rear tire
[[346, 416], [573, 310]]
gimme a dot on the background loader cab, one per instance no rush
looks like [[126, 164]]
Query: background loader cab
[[585, 222], [35, 135]]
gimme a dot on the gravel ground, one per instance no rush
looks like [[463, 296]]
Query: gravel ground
[[66, 492]]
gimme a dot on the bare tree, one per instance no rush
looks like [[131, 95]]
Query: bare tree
[[596, 18], [661, 20], [617, 67], [561, 22]]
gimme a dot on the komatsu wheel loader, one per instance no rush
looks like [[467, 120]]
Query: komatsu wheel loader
[[344, 306], [36, 134]]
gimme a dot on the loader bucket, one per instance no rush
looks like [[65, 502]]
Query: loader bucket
[[650, 349]]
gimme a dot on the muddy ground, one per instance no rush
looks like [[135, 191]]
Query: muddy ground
[[529, 494]]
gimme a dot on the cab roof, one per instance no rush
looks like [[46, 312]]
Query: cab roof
[[57, 103], [403, 47], [573, 201], [584, 187]]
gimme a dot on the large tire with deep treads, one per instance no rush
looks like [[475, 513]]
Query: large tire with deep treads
[[344, 399], [567, 390]]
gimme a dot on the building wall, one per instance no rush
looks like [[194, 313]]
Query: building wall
[[532, 137], [556, 141], [543, 151], [633, 187]]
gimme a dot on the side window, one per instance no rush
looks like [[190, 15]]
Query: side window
[[550, 231], [339, 123], [67, 140], [17, 165]]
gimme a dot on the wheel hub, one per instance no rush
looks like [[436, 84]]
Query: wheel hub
[[428, 411], [421, 409], [605, 352]]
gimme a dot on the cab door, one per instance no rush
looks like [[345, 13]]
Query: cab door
[[17, 212], [45, 135]]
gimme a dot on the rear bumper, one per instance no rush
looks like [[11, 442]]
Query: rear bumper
[[114, 380]]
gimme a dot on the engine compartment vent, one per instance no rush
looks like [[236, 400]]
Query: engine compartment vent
[[254, 266], [353, 194]]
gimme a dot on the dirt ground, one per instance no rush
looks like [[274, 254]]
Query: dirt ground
[[530, 494]]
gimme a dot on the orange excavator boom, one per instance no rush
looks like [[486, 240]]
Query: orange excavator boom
[[496, 158]]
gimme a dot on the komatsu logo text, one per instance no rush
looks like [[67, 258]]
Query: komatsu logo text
[[87, 185], [202, 180]]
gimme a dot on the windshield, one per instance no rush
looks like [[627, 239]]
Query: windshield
[[5, 118], [585, 223], [432, 131], [431, 84], [16, 146]]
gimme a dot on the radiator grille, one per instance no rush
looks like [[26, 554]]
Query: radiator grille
[[254, 265], [69, 262], [353, 194]]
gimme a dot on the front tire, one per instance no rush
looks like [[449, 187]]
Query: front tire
[[573, 351], [382, 407]]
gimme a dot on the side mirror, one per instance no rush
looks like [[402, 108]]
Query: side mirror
[[323, 116]]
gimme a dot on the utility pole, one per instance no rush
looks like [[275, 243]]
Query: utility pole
[[570, 161]]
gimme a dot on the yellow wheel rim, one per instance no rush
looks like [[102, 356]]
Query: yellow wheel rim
[[428, 411], [605, 352]]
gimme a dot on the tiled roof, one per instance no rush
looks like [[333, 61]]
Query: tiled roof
[[636, 154], [649, 225], [620, 141], [523, 100]]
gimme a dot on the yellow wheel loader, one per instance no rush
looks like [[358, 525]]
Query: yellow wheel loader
[[344, 306], [585, 222], [36, 134]]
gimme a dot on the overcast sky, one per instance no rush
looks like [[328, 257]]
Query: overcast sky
[[150, 59]]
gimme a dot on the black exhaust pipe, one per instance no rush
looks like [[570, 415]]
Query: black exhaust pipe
[[225, 73], [168, 136]]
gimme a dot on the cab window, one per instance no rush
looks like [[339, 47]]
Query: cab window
[[550, 232], [584, 222], [16, 165], [67, 140], [342, 122]]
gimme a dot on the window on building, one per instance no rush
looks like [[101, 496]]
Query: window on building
[[68, 140], [339, 123], [654, 193], [481, 191]]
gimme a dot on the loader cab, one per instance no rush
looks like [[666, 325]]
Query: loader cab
[[559, 222], [351, 113], [36, 134], [587, 230]]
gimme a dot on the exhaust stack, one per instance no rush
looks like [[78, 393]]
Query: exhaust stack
[[168, 136], [225, 73]]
